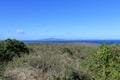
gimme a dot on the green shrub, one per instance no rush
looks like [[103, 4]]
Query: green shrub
[[67, 50], [10, 48], [106, 63], [71, 74]]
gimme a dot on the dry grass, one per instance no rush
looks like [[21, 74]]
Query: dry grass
[[52, 62]]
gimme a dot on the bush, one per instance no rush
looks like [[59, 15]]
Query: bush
[[67, 50], [10, 48], [71, 74], [106, 63]]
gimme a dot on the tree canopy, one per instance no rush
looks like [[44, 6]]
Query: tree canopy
[[10, 48]]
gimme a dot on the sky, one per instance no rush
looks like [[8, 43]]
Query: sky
[[62, 19]]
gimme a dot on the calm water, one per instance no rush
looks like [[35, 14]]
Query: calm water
[[71, 41]]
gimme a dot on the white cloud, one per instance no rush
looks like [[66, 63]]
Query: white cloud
[[20, 31]]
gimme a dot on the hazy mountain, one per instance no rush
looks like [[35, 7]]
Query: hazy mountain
[[51, 39]]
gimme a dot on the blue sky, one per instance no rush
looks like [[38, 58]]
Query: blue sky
[[64, 19]]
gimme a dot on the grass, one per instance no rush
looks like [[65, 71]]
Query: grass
[[52, 61]]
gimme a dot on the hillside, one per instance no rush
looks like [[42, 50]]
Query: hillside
[[54, 61]]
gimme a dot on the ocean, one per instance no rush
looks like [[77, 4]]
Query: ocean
[[74, 41]]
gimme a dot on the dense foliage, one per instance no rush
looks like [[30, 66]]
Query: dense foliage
[[106, 63], [48, 61], [10, 48]]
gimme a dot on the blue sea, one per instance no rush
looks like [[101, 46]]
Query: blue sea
[[74, 41]]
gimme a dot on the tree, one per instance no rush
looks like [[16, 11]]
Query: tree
[[10, 48]]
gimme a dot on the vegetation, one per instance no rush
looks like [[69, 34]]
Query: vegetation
[[11, 48], [59, 61], [106, 63]]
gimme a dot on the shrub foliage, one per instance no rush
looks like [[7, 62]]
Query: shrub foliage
[[106, 63], [10, 48]]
